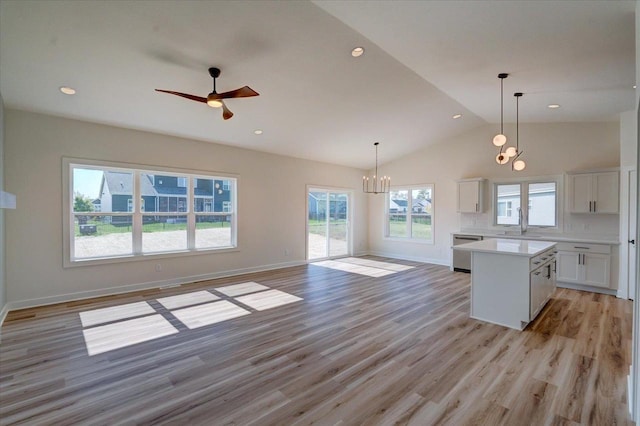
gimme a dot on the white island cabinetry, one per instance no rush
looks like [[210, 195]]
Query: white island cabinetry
[[511, 280]]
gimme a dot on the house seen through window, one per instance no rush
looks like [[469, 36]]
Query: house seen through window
[[410, 213], [535, 203], [173, 213]]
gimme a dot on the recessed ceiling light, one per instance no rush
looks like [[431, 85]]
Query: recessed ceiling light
[[257, 132], [634, 86], [357, 51], [455, 117], [68, 90], [553, 106]]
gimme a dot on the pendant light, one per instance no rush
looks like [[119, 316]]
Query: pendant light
[[384, 184], [500, 139], [518, 163]]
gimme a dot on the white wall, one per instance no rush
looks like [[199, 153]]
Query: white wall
[[628, 139], [3, 286], [271, 205], [549, 149]]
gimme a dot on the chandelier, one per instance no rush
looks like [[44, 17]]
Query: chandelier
[[511, 153], [376, 185]]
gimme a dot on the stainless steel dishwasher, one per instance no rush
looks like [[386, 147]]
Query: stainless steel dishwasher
[[462, 258]]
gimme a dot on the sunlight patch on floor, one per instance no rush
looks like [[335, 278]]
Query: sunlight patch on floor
[[240, 289], [121, 334], [268, 299], [354, 268], [376, 264], [210, 313], [194, 310], [115, 313], [187, 299]]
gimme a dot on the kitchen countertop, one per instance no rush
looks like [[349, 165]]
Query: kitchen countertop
[[536, 237], [514, 247]]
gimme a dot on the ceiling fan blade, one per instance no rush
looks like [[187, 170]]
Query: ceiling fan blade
[[243, 92], [226, 113], [184, 95]]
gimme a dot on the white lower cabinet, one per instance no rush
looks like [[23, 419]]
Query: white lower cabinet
[[586, 264], [596, 269], [542, 284]]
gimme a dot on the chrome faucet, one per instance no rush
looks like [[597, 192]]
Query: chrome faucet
[[523, 228]]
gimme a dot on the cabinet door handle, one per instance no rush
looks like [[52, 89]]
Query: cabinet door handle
[[590, 203], [632, 242], [594, 207], [476, 207]]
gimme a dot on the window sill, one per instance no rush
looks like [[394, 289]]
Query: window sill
[[148, 256], [409, 240]]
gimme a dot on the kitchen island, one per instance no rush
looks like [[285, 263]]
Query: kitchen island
[[511, 280]]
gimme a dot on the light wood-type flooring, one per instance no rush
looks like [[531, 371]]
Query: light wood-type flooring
[[398, 349]]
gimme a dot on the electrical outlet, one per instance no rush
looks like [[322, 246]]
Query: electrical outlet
[[158, 267]]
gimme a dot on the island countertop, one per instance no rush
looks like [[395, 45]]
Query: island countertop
[[514, 247]]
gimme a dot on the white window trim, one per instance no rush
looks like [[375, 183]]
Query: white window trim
[[409, 213], [137, 169], [559, 181]]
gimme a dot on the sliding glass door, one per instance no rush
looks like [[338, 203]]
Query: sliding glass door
[[328, 233]]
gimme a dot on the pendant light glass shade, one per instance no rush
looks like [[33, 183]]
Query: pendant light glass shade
[[519, 165], [511, 151], [499, 139], [502, 158]]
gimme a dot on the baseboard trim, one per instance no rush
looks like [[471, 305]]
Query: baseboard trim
[[411, 258], [587, 288], [69, 297]]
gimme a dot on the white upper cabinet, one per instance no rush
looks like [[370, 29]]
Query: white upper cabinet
[[593, 192], [470, 195]]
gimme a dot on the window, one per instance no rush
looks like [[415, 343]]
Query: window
[[410, 213], [542, 204], [126, 212], [540, 199], [508, 202]]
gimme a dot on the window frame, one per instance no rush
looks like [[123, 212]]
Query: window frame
[[409, 213], [524, 202], [68, 215]]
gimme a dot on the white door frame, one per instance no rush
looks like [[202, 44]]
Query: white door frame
[[329, 189], [626, 263]]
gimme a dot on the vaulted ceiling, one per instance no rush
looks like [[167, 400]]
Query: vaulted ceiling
[[423, 63]]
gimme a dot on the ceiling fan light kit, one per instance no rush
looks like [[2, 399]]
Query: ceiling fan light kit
[[215, 99], [511, 153]]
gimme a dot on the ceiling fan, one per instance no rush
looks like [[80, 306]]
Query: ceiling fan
[[215, 99]]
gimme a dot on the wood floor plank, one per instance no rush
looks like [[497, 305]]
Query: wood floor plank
[[396, 349]]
